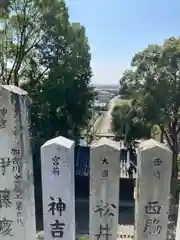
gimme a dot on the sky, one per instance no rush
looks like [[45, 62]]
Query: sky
[[118, 29]]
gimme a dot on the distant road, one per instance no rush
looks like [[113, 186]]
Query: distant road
[[105, 126]]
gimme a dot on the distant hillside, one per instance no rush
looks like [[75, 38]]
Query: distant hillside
[[106, 86]]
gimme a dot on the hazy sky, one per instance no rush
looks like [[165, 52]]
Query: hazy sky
[[117, 29]]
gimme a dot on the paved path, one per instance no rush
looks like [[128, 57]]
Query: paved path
[[105, 127]]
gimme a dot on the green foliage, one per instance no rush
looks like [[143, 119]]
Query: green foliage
[[83, 238], [128, 124], [156, 132], [127, 84], [50, 58], [119, 102], [20, 29], [156, 81]]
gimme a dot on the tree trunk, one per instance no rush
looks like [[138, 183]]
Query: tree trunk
[[174, 191], [174, 176], [162, 137], [172, 140]]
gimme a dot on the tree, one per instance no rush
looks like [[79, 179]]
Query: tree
[[128, 124], [62, 99], [20, 32], [47, 55], [157, 71], [128, 84]]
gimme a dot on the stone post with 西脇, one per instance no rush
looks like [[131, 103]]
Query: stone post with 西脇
[[153, 190], [104, 189], [17, 208], [57, 165]]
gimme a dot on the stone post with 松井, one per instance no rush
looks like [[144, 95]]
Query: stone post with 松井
[[104, 189]]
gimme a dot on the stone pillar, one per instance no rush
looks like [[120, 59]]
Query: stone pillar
[[104, 189], [57, 165], [153, 190], [17, 209]]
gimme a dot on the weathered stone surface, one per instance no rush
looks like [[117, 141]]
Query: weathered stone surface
[[104, 189], [178, 223], [57, 159], [17, 209], [153, 190]]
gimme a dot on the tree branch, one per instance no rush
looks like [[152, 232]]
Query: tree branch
[[167, 137]]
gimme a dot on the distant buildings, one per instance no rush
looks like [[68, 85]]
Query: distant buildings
[[104, 94], [100, 106]]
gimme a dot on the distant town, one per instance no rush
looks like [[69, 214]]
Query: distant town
[[104, 94]]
